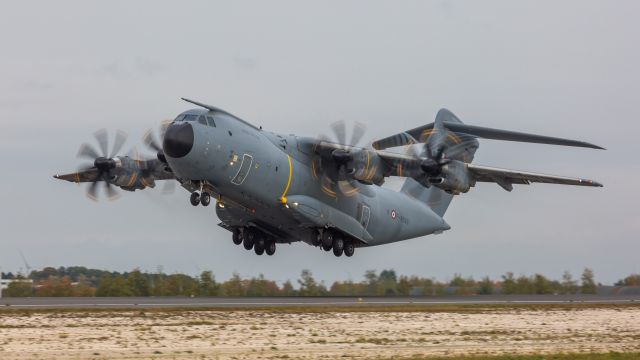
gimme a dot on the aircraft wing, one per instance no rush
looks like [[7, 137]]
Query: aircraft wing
[[88, 175], [506, 178]]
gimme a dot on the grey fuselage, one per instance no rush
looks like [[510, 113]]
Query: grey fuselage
[[266, 180]]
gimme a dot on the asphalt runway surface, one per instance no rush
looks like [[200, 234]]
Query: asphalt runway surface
[[266, 302]]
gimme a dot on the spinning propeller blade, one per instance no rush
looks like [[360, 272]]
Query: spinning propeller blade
[[103, 162], [332, 167]]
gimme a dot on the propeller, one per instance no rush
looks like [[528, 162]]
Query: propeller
[[441, 146], [152, 143], [146, 167], [334, 164], [435, 150], [103, 162]]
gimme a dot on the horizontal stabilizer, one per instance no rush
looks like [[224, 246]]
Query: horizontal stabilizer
[[452, 123], [497, 134]]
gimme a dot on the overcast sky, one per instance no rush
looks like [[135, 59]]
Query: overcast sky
[[567, 69]]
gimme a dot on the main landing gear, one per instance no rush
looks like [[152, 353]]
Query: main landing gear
[[251, 238], [333, 240], [197, 198]]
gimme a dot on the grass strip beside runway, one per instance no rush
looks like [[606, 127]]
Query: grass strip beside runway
[[576, 356], [422, 308]]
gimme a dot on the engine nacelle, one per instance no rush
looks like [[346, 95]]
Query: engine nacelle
[[368, 167], [454, 178], [134, 174]]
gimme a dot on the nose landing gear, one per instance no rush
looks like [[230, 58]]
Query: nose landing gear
[[197, 198], [205, 199]]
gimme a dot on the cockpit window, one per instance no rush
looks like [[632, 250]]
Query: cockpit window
[[202, 120], [190, 117], [211, 121], [179, 118]]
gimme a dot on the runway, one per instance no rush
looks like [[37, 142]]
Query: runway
[[274, 302]]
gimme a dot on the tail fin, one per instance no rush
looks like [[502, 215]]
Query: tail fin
[[437, 199]]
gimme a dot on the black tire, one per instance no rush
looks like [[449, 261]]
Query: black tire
[[349, 248], [327, 240], [338, 243], [205, 199], [247, 240], [270, 249], [195, 199], [237, 236], [337, 251], [258, 247]]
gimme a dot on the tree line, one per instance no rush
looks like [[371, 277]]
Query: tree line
[[81, 281]]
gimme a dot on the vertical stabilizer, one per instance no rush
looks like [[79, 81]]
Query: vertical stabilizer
[[437, 199]]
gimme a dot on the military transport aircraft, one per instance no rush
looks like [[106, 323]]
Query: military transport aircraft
[[272, 188]]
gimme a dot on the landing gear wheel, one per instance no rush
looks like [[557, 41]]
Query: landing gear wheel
[[270, 249], [327, 240], [338, 246], [195, 199], [247, 240], [205, 199], [259, 247], [237, 236], [349, 248]]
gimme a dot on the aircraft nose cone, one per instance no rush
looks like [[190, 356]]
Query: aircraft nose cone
[[178, 140]]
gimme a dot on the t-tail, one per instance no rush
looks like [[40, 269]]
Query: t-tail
[[441, 166]]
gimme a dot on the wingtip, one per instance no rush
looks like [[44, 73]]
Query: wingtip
[[593, 183]]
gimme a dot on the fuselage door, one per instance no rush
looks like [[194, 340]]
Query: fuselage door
[[243, 172], [364, 212]]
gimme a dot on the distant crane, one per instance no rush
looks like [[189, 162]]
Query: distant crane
[[26, 264]]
